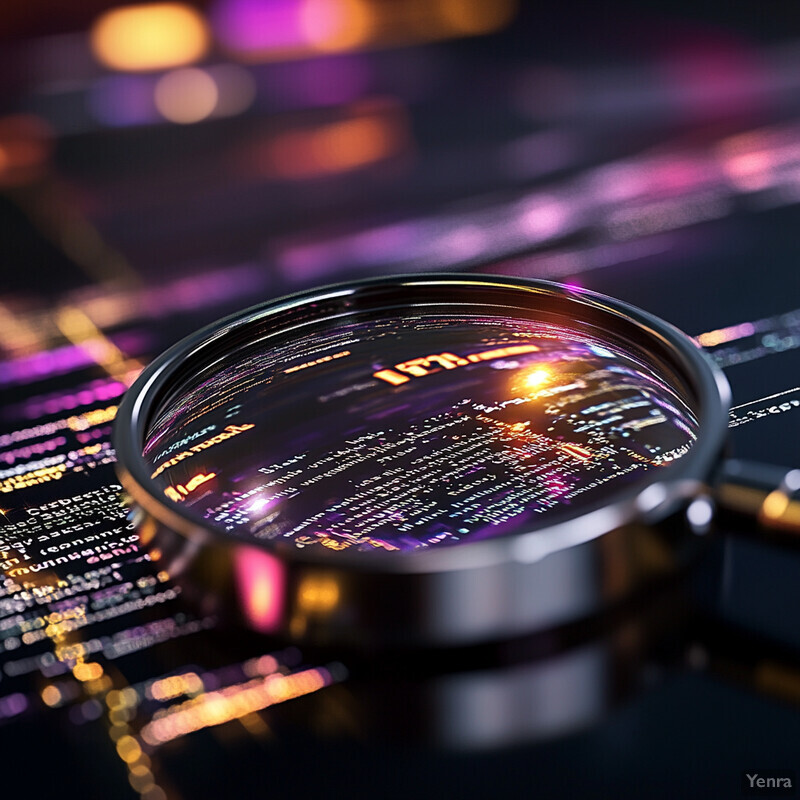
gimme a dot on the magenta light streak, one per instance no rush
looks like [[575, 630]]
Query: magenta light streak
[[199, 291], [317, 82], [379, 247], [33, 450], [543, 218], [461, 244], [95, 433], [49, 362], [255, 25], [378, 243], [309, 261], [64, 359], [96, 391]]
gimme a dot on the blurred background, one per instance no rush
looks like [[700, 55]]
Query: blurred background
[[164, 164]]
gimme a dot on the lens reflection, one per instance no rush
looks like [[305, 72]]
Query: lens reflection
[[415, 431]]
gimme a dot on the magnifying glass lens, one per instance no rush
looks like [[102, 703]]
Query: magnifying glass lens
[[394, 429]]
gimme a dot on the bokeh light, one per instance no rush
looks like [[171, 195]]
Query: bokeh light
[[341, 25], [260, 581], [336, 147], [318, 594], [259, 27], [51, 696], [25, 147], [267, 30], [149, 37], [476, 16], [236, 89], [186, 95]]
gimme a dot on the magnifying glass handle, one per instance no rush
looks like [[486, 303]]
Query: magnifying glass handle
[[771, 495]]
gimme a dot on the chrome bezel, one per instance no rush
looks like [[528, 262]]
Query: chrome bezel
[[471, 569]]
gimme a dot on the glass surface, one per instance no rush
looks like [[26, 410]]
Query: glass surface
[[414, 430]]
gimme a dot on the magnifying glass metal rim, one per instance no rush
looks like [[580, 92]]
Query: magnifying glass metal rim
[[666, 490]]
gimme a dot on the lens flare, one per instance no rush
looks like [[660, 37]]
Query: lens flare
[[537, 378]]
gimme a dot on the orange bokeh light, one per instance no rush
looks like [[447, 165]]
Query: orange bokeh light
[[25, 147], [342, 25], [334, 148], [471, 17], [149, 37]]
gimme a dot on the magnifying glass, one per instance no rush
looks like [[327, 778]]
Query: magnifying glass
[[424, 460]]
